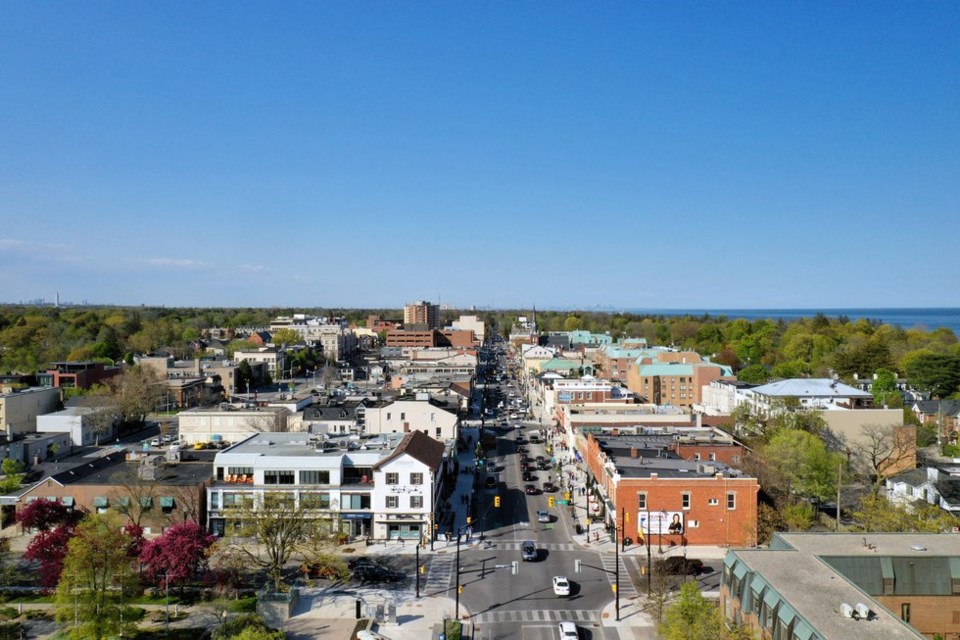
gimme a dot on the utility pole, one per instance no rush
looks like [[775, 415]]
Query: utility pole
[[616, 550], [839, 479], [418, 568]]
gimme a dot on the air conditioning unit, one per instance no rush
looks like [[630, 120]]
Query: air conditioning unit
[[846, 610], [863, 611]]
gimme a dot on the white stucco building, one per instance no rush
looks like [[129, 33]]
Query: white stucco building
[[404, 416]]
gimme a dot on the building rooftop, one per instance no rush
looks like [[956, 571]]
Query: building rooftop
[[816, 572], [303, 444], [810, 388]]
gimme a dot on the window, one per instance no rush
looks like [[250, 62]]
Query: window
[[439, 432], [642, 501], [416, 478], [315, 500], [732, 500], [314, 477], [416, 502], [736, 459], [696, 457], [685, 500], [905, 612], [392, 502], [393, 478], [712, 457], [713, 502], [388, 415], [278, 477], [214, 500], [403, 415]]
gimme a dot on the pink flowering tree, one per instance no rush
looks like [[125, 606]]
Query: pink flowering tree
[[178, 555]]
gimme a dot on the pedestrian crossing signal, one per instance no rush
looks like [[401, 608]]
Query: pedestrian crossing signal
[[496, 501], [460, 588]]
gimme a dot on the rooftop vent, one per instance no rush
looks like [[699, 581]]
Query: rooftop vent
[[846, 610], [918, 547]]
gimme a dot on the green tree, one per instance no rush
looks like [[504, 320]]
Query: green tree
[[804, 460], [97, 573], [692, 617], [878, 514], [277, 524], [13, 471], [884, 388], [754, 374], [572, 323], [863, 357], [937, 374], [287, 336], [136, 393]]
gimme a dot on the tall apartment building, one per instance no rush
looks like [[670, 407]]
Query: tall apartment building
[[421, 313]]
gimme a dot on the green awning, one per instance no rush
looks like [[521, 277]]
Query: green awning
[[729, 559], [802, 630], [758, 584], [146, 502], [771, 598], [100, 502], [67, 501], [123, 502], [740, 570], [166, 502], [786, 614]]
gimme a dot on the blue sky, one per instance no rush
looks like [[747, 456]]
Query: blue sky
[[634, 155]]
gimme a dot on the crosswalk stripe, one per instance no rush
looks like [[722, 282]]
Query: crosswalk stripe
[[536, 615]]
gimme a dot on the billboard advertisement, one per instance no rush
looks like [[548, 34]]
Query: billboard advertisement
[[661, 522]]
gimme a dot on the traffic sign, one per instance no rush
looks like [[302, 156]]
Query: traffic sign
[[563, 502]]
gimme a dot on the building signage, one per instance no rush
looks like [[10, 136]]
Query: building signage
[[661, 522], [356, 516]]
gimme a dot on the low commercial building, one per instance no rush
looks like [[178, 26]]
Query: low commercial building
[[145, 488], [81, 423], [79, 375], [231, 424], [846, 586], [670, 501], [19, 409]]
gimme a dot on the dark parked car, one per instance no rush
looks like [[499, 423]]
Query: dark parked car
[[549, 487], [491, 482], [544, 466], [540, 458], [377, 574], [678, 565], [531, 490], [521, 449], [528, 477]]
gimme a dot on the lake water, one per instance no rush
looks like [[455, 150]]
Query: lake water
[[928, 319]]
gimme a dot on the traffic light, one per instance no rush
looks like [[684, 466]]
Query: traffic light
[[460, 588], [551, 501], [496, 501], [468, 519], [423, 568], [566, 496]]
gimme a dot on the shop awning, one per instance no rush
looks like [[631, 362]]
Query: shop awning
[[166, 502], [758, 584], [67, 501], [740, 570], [802, 630], [100, 502], [123, 502], [146, 502], [771, 598], [786, 614]]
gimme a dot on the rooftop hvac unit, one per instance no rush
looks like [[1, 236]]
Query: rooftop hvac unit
[[863, 611], [846, 610]]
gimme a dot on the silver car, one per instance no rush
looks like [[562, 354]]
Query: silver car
[[528, 550]]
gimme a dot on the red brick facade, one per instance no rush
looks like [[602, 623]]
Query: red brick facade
[[717, 509]]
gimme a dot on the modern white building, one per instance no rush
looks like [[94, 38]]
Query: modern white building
[[471, 323], [79, 422], [375, 488], [404, 416], [271, 357]]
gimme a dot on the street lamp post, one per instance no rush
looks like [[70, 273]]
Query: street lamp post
[[457, 597], [616, 549], [418, 568]]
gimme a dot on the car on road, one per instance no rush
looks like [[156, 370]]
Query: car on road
[[543, 466], [531, 490], [155, 442], [521, 449], [528, 550], [549, 487], [543, 516], [373, 635], [568, 631], [491, 482], [679, 566], [528, 477], [540, 459], [377, 573], [561, 586]]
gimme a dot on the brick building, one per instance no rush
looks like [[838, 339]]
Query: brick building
[[421, 314], [674, 383], [81, 375], [825, 586], [675, 501]]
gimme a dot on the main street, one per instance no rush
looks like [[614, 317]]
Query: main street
[[504, 604]]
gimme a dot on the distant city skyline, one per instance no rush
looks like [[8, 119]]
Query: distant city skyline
[[617, 155]]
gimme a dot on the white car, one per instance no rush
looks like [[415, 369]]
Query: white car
[[543, 516], [369, 635], [155, 442], [561, 586], [568, 631]]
